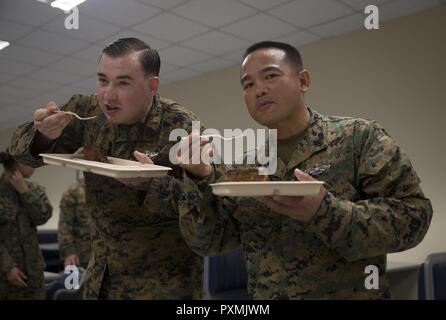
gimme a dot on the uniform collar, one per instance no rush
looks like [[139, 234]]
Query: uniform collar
[[151, 122], [312, 140]]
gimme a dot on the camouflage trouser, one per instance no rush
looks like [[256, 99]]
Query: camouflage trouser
[[33, 292], [112, 287]]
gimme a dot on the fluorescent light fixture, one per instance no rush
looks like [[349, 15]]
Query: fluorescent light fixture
[[3, 44], [66, 5]]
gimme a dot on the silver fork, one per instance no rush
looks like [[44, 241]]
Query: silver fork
[[207, 136], [77, 116]]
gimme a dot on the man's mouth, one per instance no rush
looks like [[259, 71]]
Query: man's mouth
[[264, 104], [110, 109]]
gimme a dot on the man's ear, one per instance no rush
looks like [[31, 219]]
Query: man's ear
[[154, 85], [304, 79]]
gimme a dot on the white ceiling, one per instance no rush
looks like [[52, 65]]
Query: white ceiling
[[47, 62]]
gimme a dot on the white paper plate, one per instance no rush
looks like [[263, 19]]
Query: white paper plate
[[266, 188], [117, 168]]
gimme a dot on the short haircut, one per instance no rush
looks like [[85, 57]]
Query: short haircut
[[148, 57], [291, 53], [9, 163]]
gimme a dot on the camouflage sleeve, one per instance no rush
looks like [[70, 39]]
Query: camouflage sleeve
[[65, 236], [37, 204], [68, 142], [162, 191], [392, 214], [206, 221], [6, 262]]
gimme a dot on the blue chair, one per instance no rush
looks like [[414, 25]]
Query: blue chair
[[432, 280], [225, 277], [50, 250]]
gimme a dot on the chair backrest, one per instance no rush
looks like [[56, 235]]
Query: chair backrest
[[435, 276], [225, 276], [47, 236]]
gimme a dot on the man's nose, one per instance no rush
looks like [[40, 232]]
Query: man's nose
[[110, 93], [261, 90]]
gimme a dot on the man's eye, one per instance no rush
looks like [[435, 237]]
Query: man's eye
[[248, 85], [102, 81], [123, 83], [271, 76]]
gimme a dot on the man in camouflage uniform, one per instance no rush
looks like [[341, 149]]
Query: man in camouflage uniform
[[137, 248], [318, 246], [23, 206], [74, 234]]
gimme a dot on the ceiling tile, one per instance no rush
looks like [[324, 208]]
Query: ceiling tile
[[35, 85], [55, 76], [259, 27], [14, 116], [343, 25], [15, 68], [307, 13], [180, 74], [170, 27], [212, 64], [75, 66], [152, 42], [263, 4], [182, 56], [39, 101], [6, 101], [167, 67], [124, 13], [163, 4], [87, 84], [17, 92], [235, 56], [52, 42], [361, 4], [401, 8], [65, 93], [299, 39], [10, 31], [28, 12], [28, 55], [91, 53], [221, 43], [6, 78], [214, 13], [90, 29]]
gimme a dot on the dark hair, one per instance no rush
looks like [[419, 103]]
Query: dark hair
[[148, 57], [8, 161], [291, 53]]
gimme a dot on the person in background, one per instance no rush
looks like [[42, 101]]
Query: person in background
[[23, 206], [317, 246], [74, 232]]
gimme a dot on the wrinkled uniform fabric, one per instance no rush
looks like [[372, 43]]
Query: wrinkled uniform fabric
[[138, 251], [19, 247], [373, 206], [74, 233]]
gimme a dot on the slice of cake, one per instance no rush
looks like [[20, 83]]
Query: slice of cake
[[244, 174], [94, 153]]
